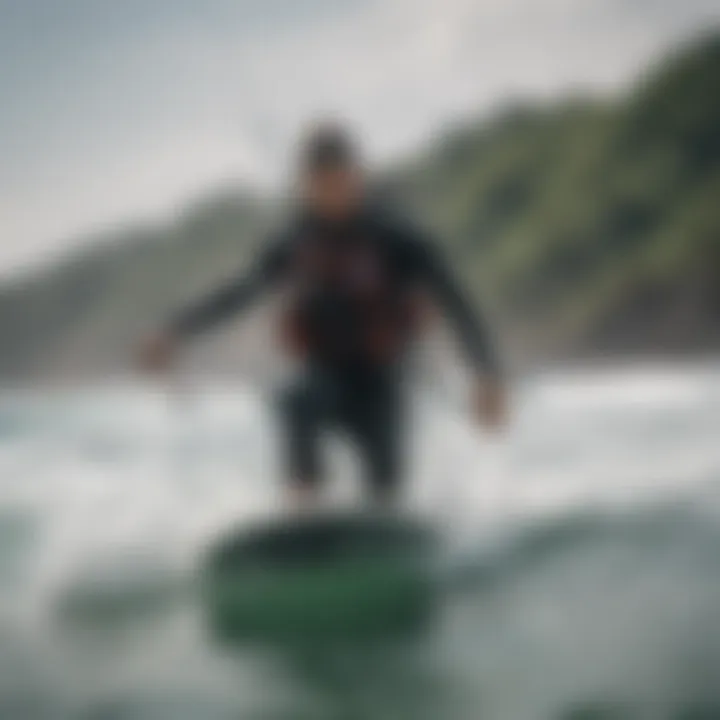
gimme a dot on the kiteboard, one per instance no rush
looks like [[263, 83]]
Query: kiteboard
[[306, 576]]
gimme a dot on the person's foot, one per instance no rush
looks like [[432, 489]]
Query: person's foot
[[383, 501], [302, 498]]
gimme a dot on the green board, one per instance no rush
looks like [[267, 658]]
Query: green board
[[326, 575]]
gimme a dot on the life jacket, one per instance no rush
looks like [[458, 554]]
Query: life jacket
[[347, 303]]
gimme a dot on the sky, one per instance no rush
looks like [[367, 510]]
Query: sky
[[118, 111]]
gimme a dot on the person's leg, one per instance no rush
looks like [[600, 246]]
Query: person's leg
[[378, 427], [305, 408]]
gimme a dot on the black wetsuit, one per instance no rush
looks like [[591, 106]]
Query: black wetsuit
[[355, 293]]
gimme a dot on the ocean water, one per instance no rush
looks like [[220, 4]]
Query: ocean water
[[583, 557]]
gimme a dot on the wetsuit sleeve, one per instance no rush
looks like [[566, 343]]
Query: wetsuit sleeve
[[233, 297], [468, 322]]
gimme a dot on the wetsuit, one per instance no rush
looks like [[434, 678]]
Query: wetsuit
[[355, 293]]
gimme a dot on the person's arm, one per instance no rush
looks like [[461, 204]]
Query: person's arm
[[467, 321], [232, 298], [489, 399]]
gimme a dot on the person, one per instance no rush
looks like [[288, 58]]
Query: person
[[358, 283]]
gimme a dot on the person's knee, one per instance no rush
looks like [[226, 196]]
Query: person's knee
[[298, 404], [301, 417]]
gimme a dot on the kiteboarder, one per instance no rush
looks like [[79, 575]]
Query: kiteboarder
[[358, 283]]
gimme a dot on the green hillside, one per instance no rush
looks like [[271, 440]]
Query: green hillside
[[591, 223], [588, 226]]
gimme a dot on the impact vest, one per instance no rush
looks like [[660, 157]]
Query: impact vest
[[347, 302]]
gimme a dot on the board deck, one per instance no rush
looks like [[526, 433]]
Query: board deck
[[339, 574]]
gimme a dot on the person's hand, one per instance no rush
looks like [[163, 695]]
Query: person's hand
[[158, 352], [490, 403]]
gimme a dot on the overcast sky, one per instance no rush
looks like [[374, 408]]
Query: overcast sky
[[117, 110]]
